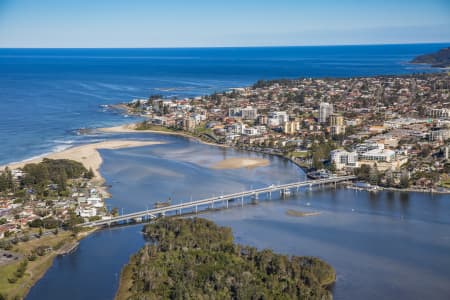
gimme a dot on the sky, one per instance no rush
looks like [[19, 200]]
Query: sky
[[212, 23]]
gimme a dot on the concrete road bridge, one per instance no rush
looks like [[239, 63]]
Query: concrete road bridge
[[223, 201]]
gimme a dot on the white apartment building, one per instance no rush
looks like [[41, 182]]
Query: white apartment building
[[343, 159], [385, 155], [249, 113], [277, 118], [325, 110]]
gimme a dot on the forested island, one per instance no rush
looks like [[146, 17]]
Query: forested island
[[197, 259], [439, 59]]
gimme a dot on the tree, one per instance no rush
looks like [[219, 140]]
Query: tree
[[90, 174], [115, 211], [404, 180], [389, 178], [374, 176]]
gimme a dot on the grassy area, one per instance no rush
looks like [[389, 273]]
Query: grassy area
[[141, 126], [445, 183], [301, 154], [35, 269]]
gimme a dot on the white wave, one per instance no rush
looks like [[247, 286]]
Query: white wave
[[58, 148], [66, 142]]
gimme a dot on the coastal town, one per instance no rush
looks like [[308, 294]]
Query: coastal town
[[390, 131]]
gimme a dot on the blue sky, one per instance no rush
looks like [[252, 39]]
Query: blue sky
[[196, 23]]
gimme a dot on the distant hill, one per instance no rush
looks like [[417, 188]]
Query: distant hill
[[439, 59]]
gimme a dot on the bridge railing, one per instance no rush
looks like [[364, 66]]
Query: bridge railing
[[227, 197]]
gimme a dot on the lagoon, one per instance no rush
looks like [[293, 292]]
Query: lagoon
[[387, 245]]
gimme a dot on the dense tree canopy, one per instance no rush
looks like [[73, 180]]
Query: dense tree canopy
[[196, 259]]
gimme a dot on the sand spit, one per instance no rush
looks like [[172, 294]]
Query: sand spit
[[86, 154], [296, 213], [126, 128], [131, 128], [237, 163]]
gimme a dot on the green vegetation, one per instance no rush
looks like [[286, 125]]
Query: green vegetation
[[148, 126], [51, 171], [196, 259], [48, 177], [37, 256], [440, 59]]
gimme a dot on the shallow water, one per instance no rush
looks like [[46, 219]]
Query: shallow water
[[387, 245]]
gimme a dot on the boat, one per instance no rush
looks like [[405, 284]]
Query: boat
[[161, 204], [319, 174]]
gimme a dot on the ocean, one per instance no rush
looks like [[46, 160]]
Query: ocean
[[388, 245], [46, 95]]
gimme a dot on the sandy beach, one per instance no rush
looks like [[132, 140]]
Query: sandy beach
[[237, 163], [231, 163], [131, 128], [86, 154], [126, 128]]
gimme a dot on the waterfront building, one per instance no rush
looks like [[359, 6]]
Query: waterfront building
[[189, 123], [342, 159], [251, 131], [365, 147], [378, 155]]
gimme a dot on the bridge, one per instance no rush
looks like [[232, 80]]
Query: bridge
[[220, 201]]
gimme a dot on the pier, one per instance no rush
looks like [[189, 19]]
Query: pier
[[238, 199]]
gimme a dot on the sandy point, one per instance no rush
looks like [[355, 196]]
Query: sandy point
[[88, 154], [237, 163]]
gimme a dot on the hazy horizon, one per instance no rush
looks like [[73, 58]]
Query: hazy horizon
[[224, 47], [208, 24]]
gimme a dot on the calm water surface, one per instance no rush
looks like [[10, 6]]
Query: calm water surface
[[383, 246]]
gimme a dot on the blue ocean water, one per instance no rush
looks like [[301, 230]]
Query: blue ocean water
[[47, 94]]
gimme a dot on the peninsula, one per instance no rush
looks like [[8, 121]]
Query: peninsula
[[86, 154], [392, 132], [439, 59]]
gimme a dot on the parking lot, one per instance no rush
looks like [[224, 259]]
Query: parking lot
[[7, 257]]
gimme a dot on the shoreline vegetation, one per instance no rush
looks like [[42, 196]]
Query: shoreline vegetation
[[37, 257], [17, 278], [195, 259], [87, 155], [438, 59]]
